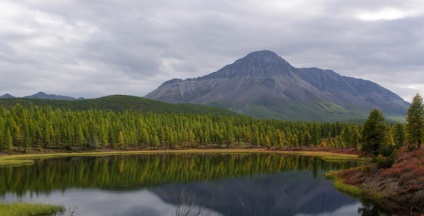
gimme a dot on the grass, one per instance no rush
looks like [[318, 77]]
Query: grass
[[15, 162], [29, 209], [27, 159], [341, 186], [328, 156]]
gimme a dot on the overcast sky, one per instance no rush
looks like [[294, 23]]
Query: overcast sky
[[93, 48]]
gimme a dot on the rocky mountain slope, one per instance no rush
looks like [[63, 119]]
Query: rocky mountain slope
[[262, 84]]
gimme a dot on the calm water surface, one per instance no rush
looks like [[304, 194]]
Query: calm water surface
[[182, 184]]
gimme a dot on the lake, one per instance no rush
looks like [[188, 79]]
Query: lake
[[183, 184]]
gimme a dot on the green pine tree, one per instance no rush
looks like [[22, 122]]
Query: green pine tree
[[415, 123], [373, 133]]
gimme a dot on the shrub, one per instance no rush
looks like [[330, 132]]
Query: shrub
[[384, 162], [387, 150]]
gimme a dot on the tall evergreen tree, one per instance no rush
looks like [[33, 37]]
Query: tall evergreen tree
[[373, 133], [415, 123], [399, 134], [8, 140], [355, 137]]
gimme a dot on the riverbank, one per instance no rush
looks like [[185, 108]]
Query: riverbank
[[20, 159], [19, 209], [399, 188]]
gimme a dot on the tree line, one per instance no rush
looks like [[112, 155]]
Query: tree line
[[44, 127], [377, 141]]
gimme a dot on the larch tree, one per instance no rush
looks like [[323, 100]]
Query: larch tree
[[399, 134], [355, 137], [373, 133], [415, 123]]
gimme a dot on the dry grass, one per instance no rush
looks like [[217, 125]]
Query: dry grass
[[19, 209], [27, 159], [330, 156]]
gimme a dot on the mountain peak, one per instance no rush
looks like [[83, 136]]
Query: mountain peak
[[264, 57], [263, 84], [42, 94], [7, 95], [258, 63]]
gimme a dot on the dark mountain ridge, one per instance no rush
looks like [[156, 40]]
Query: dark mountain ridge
[[262, 84], [42, 95], [7, 95]]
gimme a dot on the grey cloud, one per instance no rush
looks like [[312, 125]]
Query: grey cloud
[[144, 43]]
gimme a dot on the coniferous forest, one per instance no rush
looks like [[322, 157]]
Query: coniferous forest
[[60, 128]]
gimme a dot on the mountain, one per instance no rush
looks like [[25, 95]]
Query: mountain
[[42, 95], [7, 96], [264, 85], [118, 103]]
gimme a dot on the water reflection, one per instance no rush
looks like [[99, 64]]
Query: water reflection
[[225, 184], [104, 203], [133, 172], [288, 193]]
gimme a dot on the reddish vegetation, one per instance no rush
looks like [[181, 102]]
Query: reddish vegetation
[[402, 183]]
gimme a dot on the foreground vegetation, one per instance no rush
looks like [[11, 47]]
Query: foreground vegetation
[[398, 187], [392, 175], [342, 186], [29, 209]]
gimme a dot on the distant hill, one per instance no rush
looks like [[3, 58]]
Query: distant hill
[[264, 85], [119, 103], [7, 96], [42, 95]]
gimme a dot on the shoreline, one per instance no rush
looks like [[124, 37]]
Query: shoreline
[[375, 185], [399, 188], [22, 159]]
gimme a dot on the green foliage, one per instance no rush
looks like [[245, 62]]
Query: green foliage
[[117, 103], [18, 209], [341, 186], [44, 127], [384, 162], [296, 111], [399, 135], [386, 150], [415, 123], [355, 137], [373, 133], [378, 140]]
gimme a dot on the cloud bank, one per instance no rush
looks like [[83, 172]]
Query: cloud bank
[[96, 48]]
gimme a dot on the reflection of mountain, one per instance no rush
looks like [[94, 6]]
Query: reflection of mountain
[[288, 193], [138, 171]]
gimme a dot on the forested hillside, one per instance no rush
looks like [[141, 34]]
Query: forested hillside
[[117, 103], [44, 127]]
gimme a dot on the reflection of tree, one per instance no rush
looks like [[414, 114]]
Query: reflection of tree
[[187, 206], [131, 172]]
